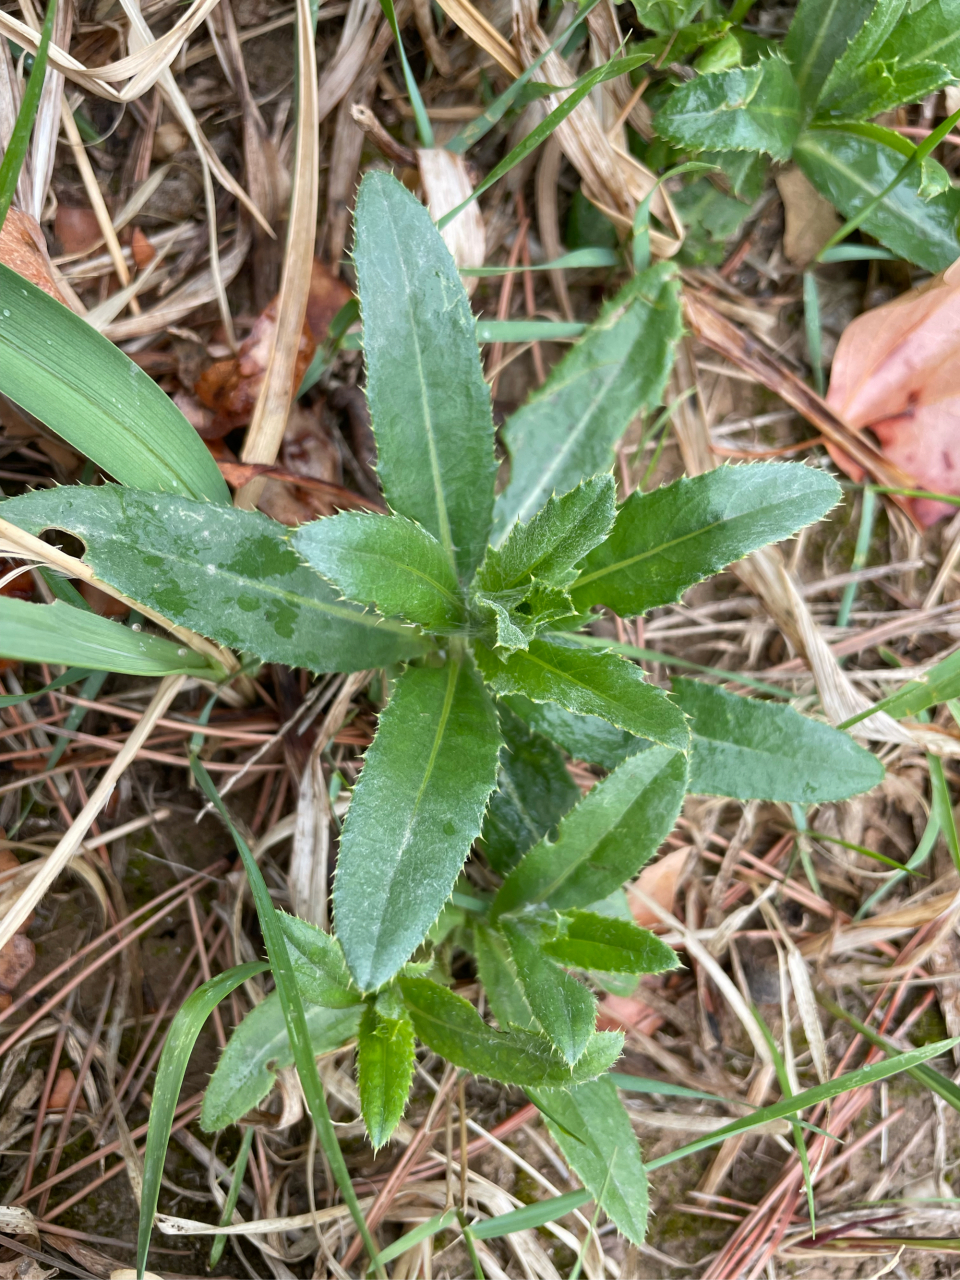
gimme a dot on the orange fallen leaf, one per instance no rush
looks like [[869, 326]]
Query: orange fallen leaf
[[141, 248], [24, 250], [897, 373], [62, 1089], [230, 387], [658, 881]]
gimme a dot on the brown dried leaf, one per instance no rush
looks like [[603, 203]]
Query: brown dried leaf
[[809, 220], [24, 250], [896, 373], [76, 228], [17, 958], [231, 387]]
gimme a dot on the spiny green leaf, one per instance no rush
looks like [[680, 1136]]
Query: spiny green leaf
[[229, 574], [534, 791], [929, 35], [754, 108], [851, 165], [584, 737], [663, 542], [414, 814], [590, 941], [501, 985], [559, 535], [563, 1006], [451, 1026], [818, 38], [386, 561], [54, 365], [881, 86], [318, 964], [258, 1047], [567, 430], [765, 751], [605, 840], [177, 1048], [590, 1126], [847, 73], [385, 1062], [59, 633], [429, 404], [587, 683]]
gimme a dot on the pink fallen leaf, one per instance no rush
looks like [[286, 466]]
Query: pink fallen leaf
[[896, 373], [627, 1013]]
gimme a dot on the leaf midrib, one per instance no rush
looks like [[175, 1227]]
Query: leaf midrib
[[443, 518], [277, 593], [453, 679], [666, 546]]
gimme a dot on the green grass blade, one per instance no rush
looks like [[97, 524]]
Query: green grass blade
[[70, 676], [577, 259], [177, 1049], [927, 1076], [433, 1226], [472, 133], [809, 1097], [16, 151], [90, 690], [424, 128], [531, 1215], [943, 806], [236, 1181], [575, 95], [57, 633], [289, 993]]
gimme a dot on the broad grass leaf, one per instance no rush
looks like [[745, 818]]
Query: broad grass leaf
[[559, 535], [587, 683], [385, 1062], [58, 633], [229, 574], [534, 791], [895, 372], [563, 1006], [451, 1026], [415, 812], [852, 164], [386, 561], [54, 365], [501, 984], [584, 737], [567, 430], [429, 403], [755, 108], [818, 37], [258, 1047], [589, 1124], [318, 964], [755, 750], [664, 541], [606, 839], [591, 941]]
